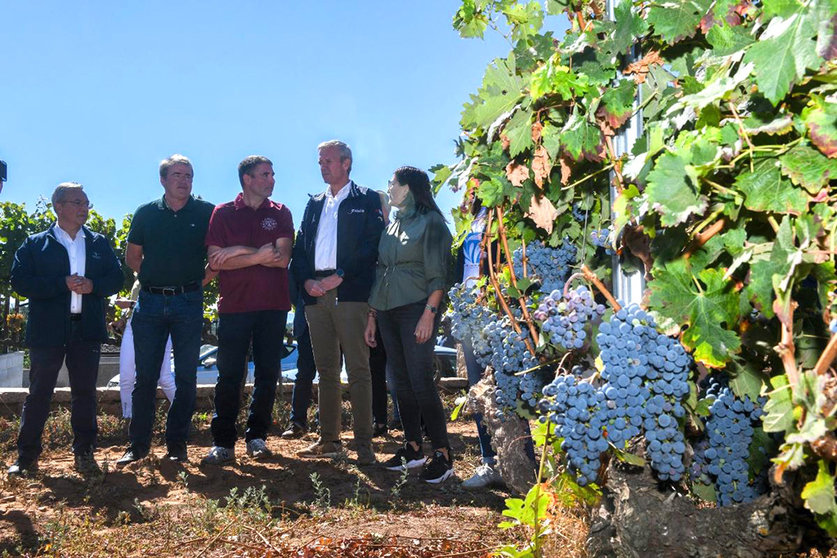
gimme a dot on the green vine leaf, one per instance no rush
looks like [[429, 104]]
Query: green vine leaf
[[674, 21], [707, 304], [671, 191], [580, 139], [618, 103], [726, 39], [519, 132], [782, 54], [629, 26], [820, 118], [808, 168], [766, 190], [819, 493], [778, 410], [500, 91]]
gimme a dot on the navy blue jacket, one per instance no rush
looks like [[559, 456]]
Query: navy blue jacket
[[360, 223], [39, 273]]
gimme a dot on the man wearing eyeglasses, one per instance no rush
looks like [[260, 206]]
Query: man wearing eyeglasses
[[166, 249], [66, 272]]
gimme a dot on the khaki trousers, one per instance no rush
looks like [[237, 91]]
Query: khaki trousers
[[335, 325]]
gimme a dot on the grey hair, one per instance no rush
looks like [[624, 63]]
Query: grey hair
[[63, 189], [345, 150], [175, 159]]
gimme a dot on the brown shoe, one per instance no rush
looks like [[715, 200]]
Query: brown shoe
[[365, 455], [321, 449]]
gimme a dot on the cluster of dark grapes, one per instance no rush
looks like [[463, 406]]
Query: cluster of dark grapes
[[579, 214], [578, 412], [564, 318], [549, 266], [722, 457], [644, 380], [601, 239], [468, 318], [647, 373], [498, 345]]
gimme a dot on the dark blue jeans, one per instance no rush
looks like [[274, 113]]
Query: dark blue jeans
[[475, 371], [266, 329], [412, 369], [305, 372], [155, 317], [83, 368]]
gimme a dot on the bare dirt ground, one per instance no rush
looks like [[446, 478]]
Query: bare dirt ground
[[284, 506]]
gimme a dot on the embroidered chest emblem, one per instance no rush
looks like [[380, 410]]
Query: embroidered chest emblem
[[269, 223]]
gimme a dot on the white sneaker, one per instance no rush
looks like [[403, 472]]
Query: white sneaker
[[484, 476], [218, 456], [257, 449]]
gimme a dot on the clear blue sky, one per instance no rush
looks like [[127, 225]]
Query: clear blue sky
[[100, 92]]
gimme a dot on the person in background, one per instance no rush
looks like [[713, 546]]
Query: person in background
[[249, 242], [305, 369], [469, 261], [166, 249], [66, 272], [378, 365], [127, 363], [334, 263], [410, 283]]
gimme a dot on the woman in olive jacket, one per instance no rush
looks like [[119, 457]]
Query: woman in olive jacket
[[410, 282]]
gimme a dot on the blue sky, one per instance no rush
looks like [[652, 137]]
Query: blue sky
[[100, 92]]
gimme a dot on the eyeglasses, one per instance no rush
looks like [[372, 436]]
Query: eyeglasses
[[79, 204]]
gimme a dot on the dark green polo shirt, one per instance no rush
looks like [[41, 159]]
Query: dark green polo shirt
[[174, 253]]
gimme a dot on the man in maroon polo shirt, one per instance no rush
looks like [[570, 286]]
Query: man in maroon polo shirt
[[249, 242]]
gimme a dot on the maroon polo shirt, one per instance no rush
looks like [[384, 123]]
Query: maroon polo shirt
[[257, 287]]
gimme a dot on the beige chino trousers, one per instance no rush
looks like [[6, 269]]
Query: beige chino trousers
[[334, 325]]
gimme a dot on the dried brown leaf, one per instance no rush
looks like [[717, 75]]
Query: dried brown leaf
[[517, 173], [543, 213], [541, 166]]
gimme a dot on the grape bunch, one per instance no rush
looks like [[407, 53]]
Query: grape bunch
[[498, 345], [468, 317], [564, 318], [601, 239], [721, 458], [576, 408], [646, 377], [549, 266], [579, 214]]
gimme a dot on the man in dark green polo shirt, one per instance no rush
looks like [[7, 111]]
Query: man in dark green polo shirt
[[166, 248]]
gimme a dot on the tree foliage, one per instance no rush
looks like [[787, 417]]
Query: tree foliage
[[730, 189]]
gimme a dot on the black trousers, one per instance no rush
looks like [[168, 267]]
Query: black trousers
[[378, 368], [266, 330], [83, 367]]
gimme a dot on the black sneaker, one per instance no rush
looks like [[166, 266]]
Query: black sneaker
[[177, 452], [294, 431], [23, 468], [379, 429], [405, 455], [437, 469], [86, 464], [131, 454]]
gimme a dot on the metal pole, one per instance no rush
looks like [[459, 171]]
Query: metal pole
[[627, 287]]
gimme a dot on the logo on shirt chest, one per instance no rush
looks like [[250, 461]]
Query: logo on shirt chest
[[269, 223]]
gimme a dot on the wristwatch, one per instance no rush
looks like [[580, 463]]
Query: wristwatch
[[433, 309]]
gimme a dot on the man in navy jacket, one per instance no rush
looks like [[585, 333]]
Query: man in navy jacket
[[334, 260], [66, 272]]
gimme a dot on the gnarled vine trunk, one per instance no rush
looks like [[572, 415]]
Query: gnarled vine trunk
[[508, 437], [637, 519]]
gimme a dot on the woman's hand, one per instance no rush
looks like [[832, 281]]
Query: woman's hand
[[369, 333], [424, 327]]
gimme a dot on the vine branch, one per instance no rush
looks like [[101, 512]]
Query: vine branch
[[501, 229]]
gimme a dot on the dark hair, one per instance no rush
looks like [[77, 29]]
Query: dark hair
[[419, 184], [249, 163]]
